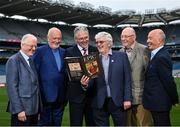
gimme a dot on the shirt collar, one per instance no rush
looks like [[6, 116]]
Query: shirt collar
[[81, 48], [156, 50], [24, 55], [109, 53]]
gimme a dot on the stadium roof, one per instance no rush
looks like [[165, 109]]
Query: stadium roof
[[65, 11]]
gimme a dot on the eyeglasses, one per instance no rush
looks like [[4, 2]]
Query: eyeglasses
[[126, 36], [31, 46], [100, 42]]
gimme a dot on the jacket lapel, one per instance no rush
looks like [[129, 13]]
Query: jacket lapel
[[31, 70]]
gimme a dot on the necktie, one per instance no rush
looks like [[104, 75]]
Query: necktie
[[84, 51], [128, 50], [31, 64]]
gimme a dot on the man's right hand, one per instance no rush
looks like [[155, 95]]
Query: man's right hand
[[22, 116]]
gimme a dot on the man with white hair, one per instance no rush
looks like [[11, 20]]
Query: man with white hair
[[112, 89], [22, 84]]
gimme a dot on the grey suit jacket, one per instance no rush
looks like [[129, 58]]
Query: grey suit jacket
[[22, 86], [138, 60]]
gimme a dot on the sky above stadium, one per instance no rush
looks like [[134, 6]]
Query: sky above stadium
[[138, 5]]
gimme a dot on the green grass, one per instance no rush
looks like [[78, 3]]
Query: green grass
[[5, 117]]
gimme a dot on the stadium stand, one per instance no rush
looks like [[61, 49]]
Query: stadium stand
[[11, 30]]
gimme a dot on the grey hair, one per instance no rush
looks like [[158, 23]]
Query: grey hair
[[106, 35], [24, 38], [80, 28], [162, 36]]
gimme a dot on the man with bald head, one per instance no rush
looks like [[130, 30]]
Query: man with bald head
[[160, 91], [138, 58], [49, 61]]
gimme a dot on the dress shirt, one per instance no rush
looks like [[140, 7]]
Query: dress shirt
[[25, 57], [82, 50], [105, 63], [57, 58], [153, 53]]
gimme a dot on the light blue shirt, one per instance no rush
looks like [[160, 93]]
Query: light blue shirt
[[25, 57], [57, 58], [153, 52], [105, 63]]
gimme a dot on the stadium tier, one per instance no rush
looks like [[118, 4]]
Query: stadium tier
[[12, 30]]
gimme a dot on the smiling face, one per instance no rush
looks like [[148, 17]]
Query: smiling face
[[54, 38], [82, 38], [155, 39], [29, 44], [103, 45], [128, 37]]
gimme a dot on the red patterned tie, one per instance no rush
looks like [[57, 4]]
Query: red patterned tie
[[84, 52]]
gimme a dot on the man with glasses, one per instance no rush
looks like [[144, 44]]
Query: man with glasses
[[112, 88], [138, 58], [22, 85], [80, 98]]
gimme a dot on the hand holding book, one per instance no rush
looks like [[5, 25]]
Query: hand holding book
[[88, 65]]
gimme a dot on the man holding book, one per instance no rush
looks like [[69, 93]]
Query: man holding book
[[80, 98], [112, 88]]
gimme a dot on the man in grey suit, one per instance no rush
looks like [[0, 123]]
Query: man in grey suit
[[138, 58], [22, 84]]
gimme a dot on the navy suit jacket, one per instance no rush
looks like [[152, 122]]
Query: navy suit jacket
[[75, 92], [119, 78], [160, 91], [22, 86], [52, 81]]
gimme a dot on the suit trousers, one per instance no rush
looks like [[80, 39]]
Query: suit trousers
[[118, 114], [78, 110], [52, 114], [32, 120], [138, 116], [161, 118]]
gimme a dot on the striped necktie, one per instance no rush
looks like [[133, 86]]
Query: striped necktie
[[84, 51]]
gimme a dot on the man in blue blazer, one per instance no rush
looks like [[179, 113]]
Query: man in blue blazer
[[160, 91], [49, 61], [22, 85], [112, 89]]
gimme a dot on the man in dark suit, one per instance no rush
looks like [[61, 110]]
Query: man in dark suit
[[79, 98], [113, 94], [22, 85], [49, 61], [160, 91]]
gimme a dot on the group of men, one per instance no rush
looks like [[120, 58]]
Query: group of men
[[136, 86]]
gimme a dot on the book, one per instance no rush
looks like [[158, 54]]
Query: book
[[88, 65]]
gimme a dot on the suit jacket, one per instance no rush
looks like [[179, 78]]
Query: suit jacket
[[119, 78], [160, 91], [75, 92], [22, 86], [138, 60], [52, 81]]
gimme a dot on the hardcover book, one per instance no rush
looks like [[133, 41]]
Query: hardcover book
[[88, 65]]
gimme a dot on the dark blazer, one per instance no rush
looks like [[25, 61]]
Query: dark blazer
[[52, 81], [160, 91], [22, 86], [119, 78], [75, 92]]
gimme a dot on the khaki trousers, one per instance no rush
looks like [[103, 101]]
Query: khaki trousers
[[138, 116]]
